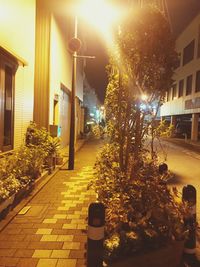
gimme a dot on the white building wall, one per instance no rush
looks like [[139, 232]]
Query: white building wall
[[177, 106], [17, 34], [60, 64]]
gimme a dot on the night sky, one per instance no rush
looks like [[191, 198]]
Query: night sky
[[180, 11], [95, 68]]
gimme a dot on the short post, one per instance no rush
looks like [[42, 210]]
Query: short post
[[96, 222], [189, 196]]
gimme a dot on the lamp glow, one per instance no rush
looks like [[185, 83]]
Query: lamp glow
[[100, 15]]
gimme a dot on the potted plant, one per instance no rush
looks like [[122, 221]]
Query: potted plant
[[142, 213], [59, 158], [42, 139]]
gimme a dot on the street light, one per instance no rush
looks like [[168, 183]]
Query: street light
[[95, 10], [74, 46]]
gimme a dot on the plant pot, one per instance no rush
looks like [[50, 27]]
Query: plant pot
[[59, 160], [6, 203], [22, 193], [169, 256], [50, 164]]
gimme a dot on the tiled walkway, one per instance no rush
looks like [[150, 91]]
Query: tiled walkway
[[53, 230]]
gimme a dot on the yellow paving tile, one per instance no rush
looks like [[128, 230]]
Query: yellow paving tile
[[50, 221], [49, 238], [60, 216], [77, 221], [77, 202], [73, 216], [42, 253], [69, 226], [66, 263], [44, 231], [64, 193], [66, 201], [71, 245], [84, 209], [63, 208], [72, 205], [78, 212], [82, 226], [60, 254], [47, 263], [65, 238]]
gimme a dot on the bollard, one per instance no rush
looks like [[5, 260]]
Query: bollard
[[189, 196], [96, 222], [163, 168]]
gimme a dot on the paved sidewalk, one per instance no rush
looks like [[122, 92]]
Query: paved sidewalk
[[53, 230]]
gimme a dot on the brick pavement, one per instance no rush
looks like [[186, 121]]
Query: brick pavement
[[52, 233]]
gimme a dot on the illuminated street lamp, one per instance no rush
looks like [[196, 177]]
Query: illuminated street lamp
[[74, 46], [101, 15]]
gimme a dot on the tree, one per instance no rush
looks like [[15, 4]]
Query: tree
[[143, 64], [141, 211]]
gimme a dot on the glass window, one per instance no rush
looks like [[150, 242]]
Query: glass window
[[188, 53], [180, 88], [197, 85], [198, 48], [174, 91], [7, 72], [189, 85]]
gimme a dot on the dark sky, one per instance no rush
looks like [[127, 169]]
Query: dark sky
[[180, 11]]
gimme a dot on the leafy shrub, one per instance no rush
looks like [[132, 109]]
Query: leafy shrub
[[42, 138], [26, 163], [8, 182], [141, 213]]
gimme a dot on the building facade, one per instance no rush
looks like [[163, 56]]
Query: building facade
[[36, 70], [182, 104]]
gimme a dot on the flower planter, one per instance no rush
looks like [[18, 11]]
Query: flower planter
[[23, 192], [169, 256], [6, 203]]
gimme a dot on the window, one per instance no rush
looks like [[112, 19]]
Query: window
[[197, 85], [188, 53], [198, 48], [178, 63], [189, 85], [180, 88], [7, 71], [174, 91]]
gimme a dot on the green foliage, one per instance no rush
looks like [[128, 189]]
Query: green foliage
[[41, 138], [141, 211], [97, 130], [148, 50], [26, 163]]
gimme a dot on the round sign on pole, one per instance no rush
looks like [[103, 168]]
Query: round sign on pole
[[74, 44]]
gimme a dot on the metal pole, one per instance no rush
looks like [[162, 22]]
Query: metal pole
[[73, 95]]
